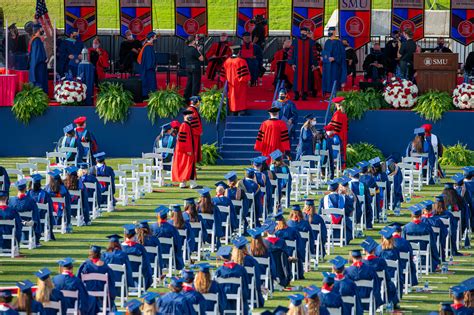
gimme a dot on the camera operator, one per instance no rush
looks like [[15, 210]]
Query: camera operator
[[193, 58], [258, 33]]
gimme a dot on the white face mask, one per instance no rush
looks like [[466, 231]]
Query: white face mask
[[95, 46], [99, 164], [313, 123]]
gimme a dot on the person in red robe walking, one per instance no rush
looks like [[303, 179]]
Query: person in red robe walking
[[280, 67], [184, 160], [237, 74], [217, 55], [340, 122], [196, 126], [272, 135]]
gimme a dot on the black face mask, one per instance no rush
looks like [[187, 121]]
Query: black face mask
[[282, 97], [190, 118], [42, 33], [330, 34]]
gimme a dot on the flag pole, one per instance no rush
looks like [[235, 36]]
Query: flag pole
[[6, 46], [54, 54]]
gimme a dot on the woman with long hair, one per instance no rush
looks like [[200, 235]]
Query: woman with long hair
[[313, 304], [115, 255], [441, 211], [388, 251], [73, 183], [45, 292], [191, 215], [133, 307], [456, 204], [221, 200], [322, 143], [394, 171], [435, 221], [296, 306], [56, 188], [420, 145], [206, 206], [180, 224], [381, 193], [25, 301], [40, 195], [149, 303], [279, 166], [203, 284], [85, 177], [147, 239], [298, 222], [310, 214]]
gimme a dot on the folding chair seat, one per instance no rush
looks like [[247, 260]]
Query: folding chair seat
[[307, 260], [252, 218], [45, 222], [422, 253], [78, 207], [335, 310], [265, 277], [334, 226], [92, 198], [62, 224], [294, 267], [198, 239], [104, 294], [130, 179], [284, 190], [236, 296], [28, 231], [67, 151], [253, 286], [210, 217], [226, 224], [72, 295], [144, 173], [350, 300], [121, 284], [169, 255], [138, 275], [393, 264], [155, 264], [405, 256], [164, 174], [14, 248], [213, 297], [318, 244], [108, 193], [368, 284], [312, 171], [121, 187], [238, 205]]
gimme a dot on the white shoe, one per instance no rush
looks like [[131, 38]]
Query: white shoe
[[192, 184], [182, 185]]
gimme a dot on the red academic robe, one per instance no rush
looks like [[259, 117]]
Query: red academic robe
[[318, 74], [272, 135], [339, 121], [196, 126], [184, 165], [102, 62], [237, 75], [217, 55], [277, 58], [302, 55]]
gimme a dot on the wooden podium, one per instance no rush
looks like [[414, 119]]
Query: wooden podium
[[436, 71]]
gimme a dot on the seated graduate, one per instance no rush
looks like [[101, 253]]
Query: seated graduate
[[379, 176], [25, 301], [313, 304], [296, 305], [57, 189], [420, 145], [147, 239], [222, 200], [329, 297], [194, 297], [306, 137], [418, 227], [375, 64], [174, 302], [86, 136], [149, 303], [297, 221], [458, 307], [179, 223], [205, 206], [22, 203], [204, 284], [279, 166], [72, 183], [263, 175], [248, 186], [434, 221], [456, 204], [6, 306], [469, 184], [103, 170], [394, 170], [133, 307], [441, 212], [258, 248], [241, 256], [162, 228], [192, 216], [366, 178], [66, 280], [86, 177], [230, 269], [282, 230], [46, 292], [166, 140], [388, 251], [465, 194], [131, 247], [234, 192], [94, 264], [345, 286], [313, 218], [359, 270], [379, 264], [40, 195], [69, 140], [352, 202], [115, 255], [359, 189], [5, 184]]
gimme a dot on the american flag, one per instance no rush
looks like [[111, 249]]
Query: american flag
[[42, 16]]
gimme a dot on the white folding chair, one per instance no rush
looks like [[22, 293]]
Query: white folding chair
[[265, 277], [294, 267], [299, 178], [210, 217], [336, 149], [88, 156], [226, 224], [134, 259], [104, 294], [157, 164], [29, 168], [274, 184], [78, 207], [350, 300], [251, 198], [252, 286], [121, 284], [121, 187], [43, 162], [51, 305], [314, 173], [383, 288], [448, 248], [58, 157], [72, 295], [108, 193], [391, 198], [335, 310], [305, 236], [14, 172], [144, 173], [457, 215], [333, 226], [396, 276], [92, 198], [238, 204], [212, 297], [168, 255], [29, 243], [68, 150], [416, 170], [437, 233], [324, 162], [45, 223], [363, 219], [198, 239], [130, 179], [407, 170], [368, 284], [383, 188], [182, 234], [155, 264], [284, 190], [318, 243], [162, 173], [426, 253], [14, 249], [237, 296], [62, 225], [425, 178], [406, 271]]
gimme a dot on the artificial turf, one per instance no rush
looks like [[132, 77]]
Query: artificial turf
[[76, 244]]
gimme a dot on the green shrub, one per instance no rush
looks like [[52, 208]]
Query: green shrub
[[433, 104], [209, 154], [356, 103], [30, 102], [113, 102], [361, 152], [457, 155], [164, 103], [209, 107]]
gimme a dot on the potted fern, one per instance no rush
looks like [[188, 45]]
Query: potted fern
[[209, 108], [361, 152], [356, 103], [210, 154], [433, 104], [31, 101], [164, 103], [113, 102]]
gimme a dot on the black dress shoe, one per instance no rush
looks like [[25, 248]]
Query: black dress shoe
[[297, 96], [305, 97]]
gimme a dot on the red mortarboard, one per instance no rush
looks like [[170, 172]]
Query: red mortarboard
[[80, 120], [427, 127], [329, 128], [338, 99], [175, 124]]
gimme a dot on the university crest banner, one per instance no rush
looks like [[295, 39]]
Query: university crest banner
[[355, 20], [462, 21], [409, 14], [309, 14], [247, 10], [81, 14], [136, 16], [190, 18]]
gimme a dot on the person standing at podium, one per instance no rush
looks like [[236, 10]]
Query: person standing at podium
[[405, 53], [441, 48]]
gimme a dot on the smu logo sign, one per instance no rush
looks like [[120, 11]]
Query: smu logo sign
[[428, 61]]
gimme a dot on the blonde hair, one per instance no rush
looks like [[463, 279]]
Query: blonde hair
[[202, 282], [296, 215], [44, 290], [281, 225], [310, 211], [24, 301], [313, 305], [387, 243], [149, 309], [296, 310], [238, 255]]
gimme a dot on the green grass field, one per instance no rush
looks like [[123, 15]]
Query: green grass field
[[221, 12], [76, 244]]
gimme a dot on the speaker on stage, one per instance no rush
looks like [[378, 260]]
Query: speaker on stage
[[378, 86], [131, 84]]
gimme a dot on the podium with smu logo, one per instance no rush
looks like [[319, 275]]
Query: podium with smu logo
[[436, 71]]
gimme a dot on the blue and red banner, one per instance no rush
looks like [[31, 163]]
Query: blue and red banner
[[247, 10], [190, 18], [409, 14], [309, 14], [81, 14], [136, 16], [462, 21], [355, 21]]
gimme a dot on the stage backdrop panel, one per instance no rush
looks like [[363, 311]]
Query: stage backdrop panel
[[309, 14], [81, 14], [355, 20], [246, 11], [136, 16], [409, 14], [462, 21], [190, 18]]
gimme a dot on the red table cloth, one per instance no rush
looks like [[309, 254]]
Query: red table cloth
[[8, 88]]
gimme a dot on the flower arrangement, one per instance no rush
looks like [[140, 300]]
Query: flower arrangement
[[463, 96], [400, 93], [70, 92]]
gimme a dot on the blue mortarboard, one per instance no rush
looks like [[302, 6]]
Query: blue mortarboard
[[4, 193], [419, 131], [269, 227], [176, 282], [257, 161], [221, 183], [389, 161], [468, 170], [439, 198], [83, 166], [71, 169], [204, 191], [296, 208], [162, 211], [36, 178], [309, 116], [328, 278], [250, 171], [231, 176], [189, 201], [24, 285], [129, 229], [356, 253], [296, 299], [150, 35], [458, 291], [99, 156], [95, 249], [150, 297], [278, 216], [166, 127], [133, 305], [280, 310], [143, 224], [333, 184], [449, 186], [187, 274], [114, 238], [21, 184], [68, 128], [375, 161], [204, 267], [415, 210], [428, 204], [275, 155], [338, 262], [56, 174], [397, 226], [312, 291], [240, 242], [43, 274], [387, 232], [353, 171], [256, 233], [458, 178], [66, 262], [344, 180], [195, 99], [5, 294], [363, 165], [369, 245], [176, 208], [224, 251], [445, 306], [309, 202]]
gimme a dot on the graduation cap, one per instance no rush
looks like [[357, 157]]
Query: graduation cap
[[71, 169], [369, 245], [258, 160], [189, 201], [21, 184], [439, 197], [309, 117], [278, 216], [133, 305], [204, 267], [175, 124], [143, 224], [114, 238], [162, 211], [222, 184], [176, 208], [338, 262], [468, 170], [43, 274], [344, 180], [363, 165], [449, 186], [387, 232], [24, 285], [224, 252], [231, 176], [296, 299], [129, 229], [280, 310], [176, 282], [166, 127], [204, 191], [419, 131], [458, 178], [329, 128], [275, 155], [36, 178], [389, 162], [356, 253], [428, 204], [458, 291], [95, 249], [56, 174], [150, 35], [66, 262], [4, 193], [274, 110], [100, 156], [333, 185], [195, 99], [188, 112], [150, 297], [311, 292], [256, 233], [6, 294], [240, 242], [296, 208], [354, 172], [397, 226], [309, 202], [328, 278], [83, 166], [415, 210], [269, 227], [80, 120], [375, 161], [337, 99], [187, 274], [250, 172], [68, 128]]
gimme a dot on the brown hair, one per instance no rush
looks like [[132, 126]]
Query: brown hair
[[281, 225], [452, 200], [55, 184], [23, 302], [296, 215], [191, 209], [202, 282], [178, 220], [44, 290], [149, 309], [257, 247], [387, 243], [439, 207], [93, 255], [142, 233], [206, 204], [313, 305], [418, 143], [113, 246], [72, 182]]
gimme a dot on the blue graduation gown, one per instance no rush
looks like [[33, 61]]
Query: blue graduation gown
[[280, 267], [249, 261], [196, 231], [87, 304], [119, 257], [189, 238], [41, 196], [26, 204], [174, 303], [263, 180], [226, 201], [37, 307], [282, 183], [463, 310], [336, 140], [147, 70], [66, 48], [288, 111], [336, 70], [392, 254], [369, 182], [397, 187], [195, 298], [305, 143], [38, 72], [59, 209], [443, 231], [381, 193], [93, 285], [422, 228], [6, 179], [252, 187], [379, 264], [208, 224], [88, 178], [85, 135], [216, 289], [405, 247], [233, 270], [166, 230], [331, 299], [167, 141], [104, 170], [335, 200], [453, 222], [56, 296], [357, 272], [8, 310], [138, 250], [291, 234], [360, 189], [347, 287], [8, 213], [318, 220], [71, 142], [304, 226], [153, 241]]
